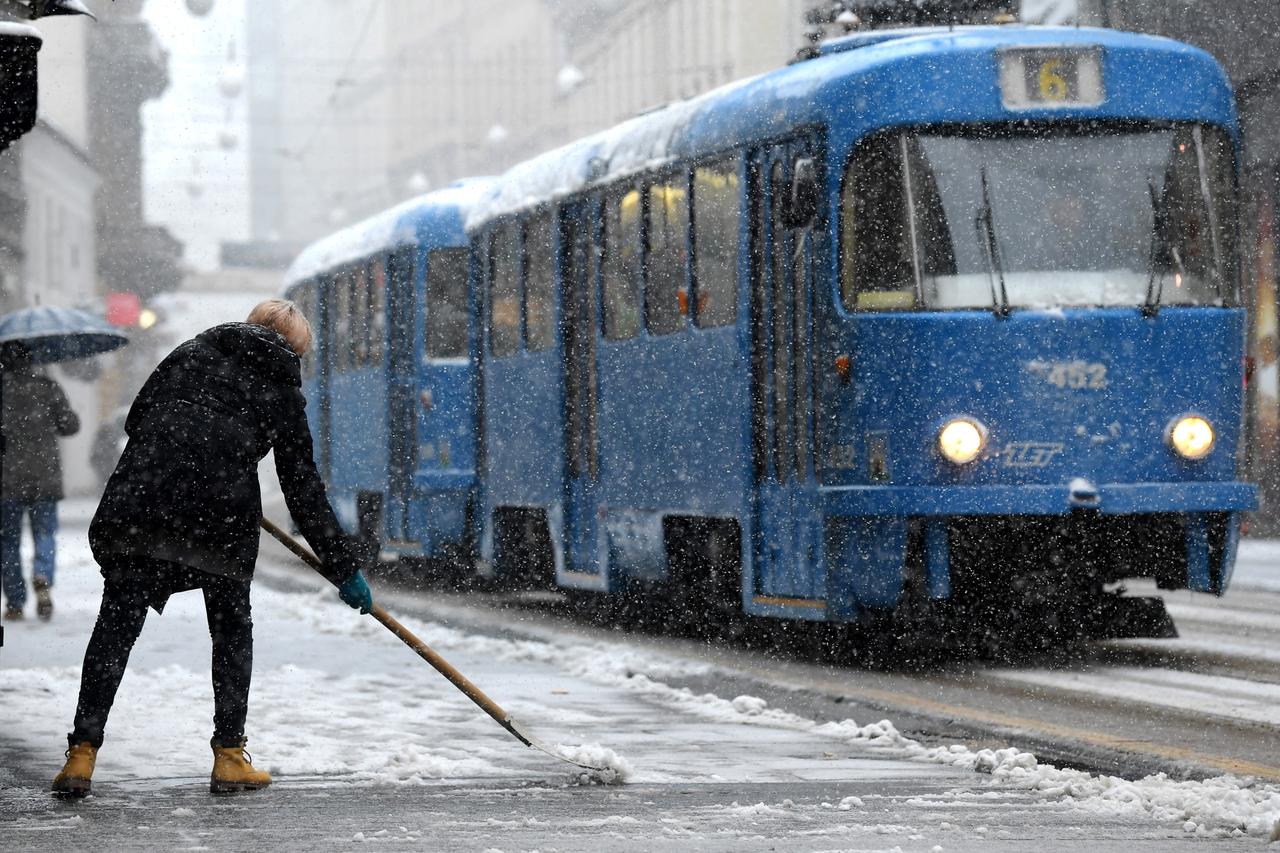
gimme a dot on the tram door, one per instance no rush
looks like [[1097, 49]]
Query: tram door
[[402, 331], [787, 518], [579, 264], [444, 453]]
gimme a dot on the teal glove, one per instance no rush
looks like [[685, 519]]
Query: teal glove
[[355, 593]]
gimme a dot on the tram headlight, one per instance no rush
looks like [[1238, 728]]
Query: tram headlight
[[1191, 437], [961, 440]]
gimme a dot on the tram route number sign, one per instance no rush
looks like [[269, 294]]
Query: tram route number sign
[[1039, 78]]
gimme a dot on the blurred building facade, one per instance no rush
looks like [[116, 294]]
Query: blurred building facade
[[354, 109], [72, 225], [319, 115], [128, 67], [59, 183]]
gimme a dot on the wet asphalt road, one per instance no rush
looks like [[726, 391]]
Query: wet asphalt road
[[307, 815]]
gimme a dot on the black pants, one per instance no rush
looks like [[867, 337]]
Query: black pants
[[133, 584]]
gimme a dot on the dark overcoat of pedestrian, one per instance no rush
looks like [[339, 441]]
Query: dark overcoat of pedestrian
[[36, 413], [186, 487]]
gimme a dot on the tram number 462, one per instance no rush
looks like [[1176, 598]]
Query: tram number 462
[[1071, 375]]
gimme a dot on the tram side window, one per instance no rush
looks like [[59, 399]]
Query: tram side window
[[716, 215], [305, 298], [1194, 238], [504, 293], [539, 282], [377, 310], [340, 313], [360, 317], [621, 270], [666, 295], [875, 240], [446, 320]]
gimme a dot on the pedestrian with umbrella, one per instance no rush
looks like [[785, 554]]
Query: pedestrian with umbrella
[[36, 414], [33, 410]]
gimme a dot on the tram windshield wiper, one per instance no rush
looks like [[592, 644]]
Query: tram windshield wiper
[[1155, 278], [984, 223]]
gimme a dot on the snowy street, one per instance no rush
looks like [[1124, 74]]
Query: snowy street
[[367, 744], [756, 407]]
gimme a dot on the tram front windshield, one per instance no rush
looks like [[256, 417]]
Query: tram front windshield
[[1051, 218]]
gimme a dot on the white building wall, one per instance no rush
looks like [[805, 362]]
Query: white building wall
[[59, 236], [63, 77]]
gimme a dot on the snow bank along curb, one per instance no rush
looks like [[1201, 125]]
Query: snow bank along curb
[[1222, 806]]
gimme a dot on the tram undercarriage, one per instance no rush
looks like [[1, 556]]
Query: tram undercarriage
[[1063, 575]]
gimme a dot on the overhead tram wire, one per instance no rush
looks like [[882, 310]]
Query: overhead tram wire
[[365, 29]]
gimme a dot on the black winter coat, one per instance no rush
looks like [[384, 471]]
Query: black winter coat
[[186, 488], [36, 413]]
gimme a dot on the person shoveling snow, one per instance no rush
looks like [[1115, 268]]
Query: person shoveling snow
[[181, 512]]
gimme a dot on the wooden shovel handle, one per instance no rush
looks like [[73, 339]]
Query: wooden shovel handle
[[442, 666]]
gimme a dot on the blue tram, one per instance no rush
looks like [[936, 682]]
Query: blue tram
[[391, 380], [935, 317]]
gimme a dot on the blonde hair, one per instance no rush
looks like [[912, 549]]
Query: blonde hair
[[283, 316]]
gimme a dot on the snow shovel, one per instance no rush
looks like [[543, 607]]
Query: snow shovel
[[442, 666]]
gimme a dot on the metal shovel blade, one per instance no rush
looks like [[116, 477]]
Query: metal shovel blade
[[529, 740]]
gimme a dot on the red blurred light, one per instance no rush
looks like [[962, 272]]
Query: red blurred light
[[123, 308]]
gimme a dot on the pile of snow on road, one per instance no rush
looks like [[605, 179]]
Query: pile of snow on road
[[613, 768]]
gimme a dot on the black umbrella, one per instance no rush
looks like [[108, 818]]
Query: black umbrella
[[46, 335], [59, 334]]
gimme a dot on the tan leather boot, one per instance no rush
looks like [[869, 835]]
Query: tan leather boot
[[76, 778], [233, 771]]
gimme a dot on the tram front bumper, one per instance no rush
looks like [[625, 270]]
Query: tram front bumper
[[867, 526], [1109, 499]]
